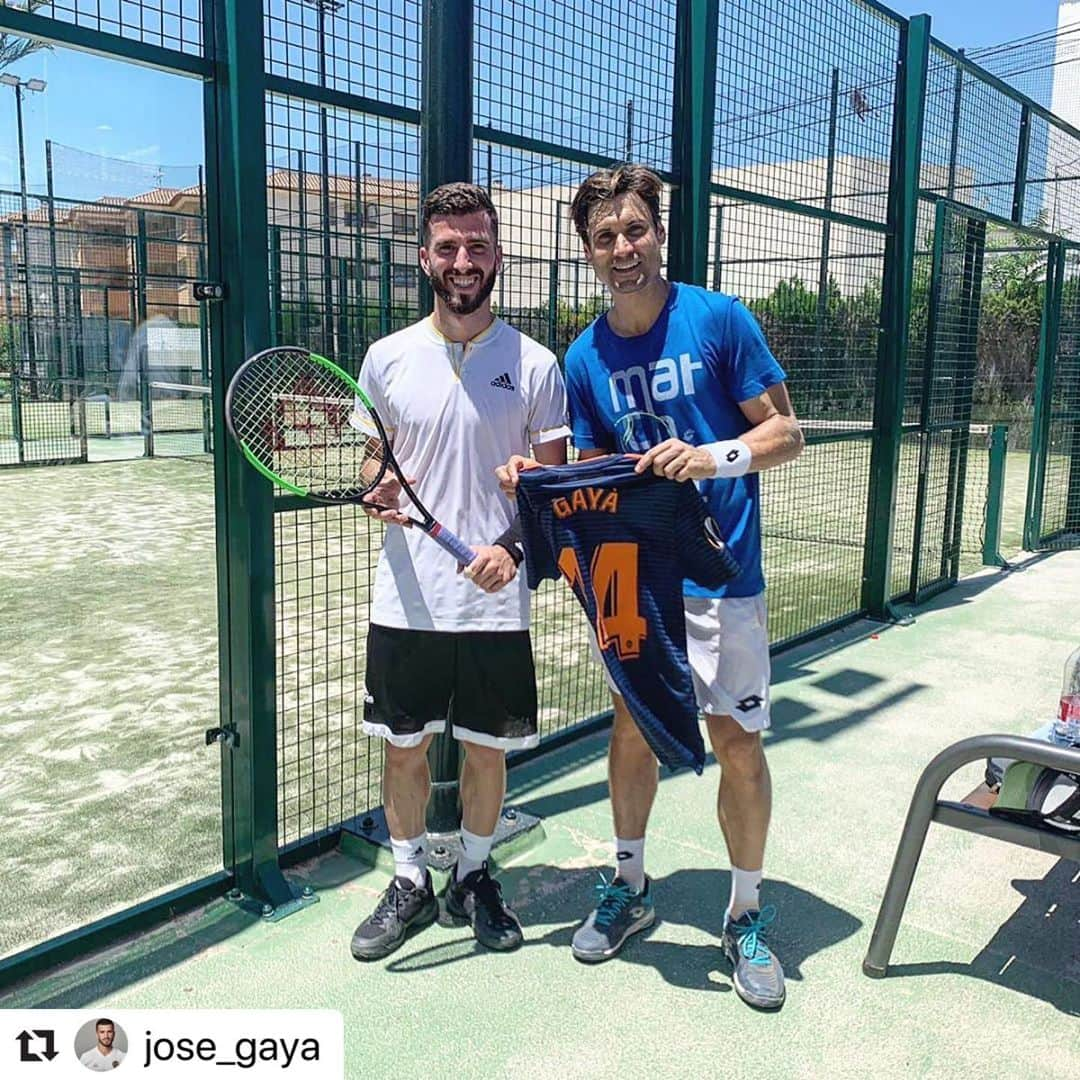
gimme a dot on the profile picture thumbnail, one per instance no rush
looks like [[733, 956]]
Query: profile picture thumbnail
[[101, 1045]]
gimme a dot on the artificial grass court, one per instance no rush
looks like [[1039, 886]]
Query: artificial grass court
[[108, 679], [109, 670], [986, 971]]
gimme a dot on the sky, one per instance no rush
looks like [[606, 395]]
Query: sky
[[118, 110], [151, 119], [971, 23]]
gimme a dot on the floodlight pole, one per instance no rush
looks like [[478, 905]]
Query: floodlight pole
[[38, 86]]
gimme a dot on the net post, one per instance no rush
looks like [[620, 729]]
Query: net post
[[995, 496]]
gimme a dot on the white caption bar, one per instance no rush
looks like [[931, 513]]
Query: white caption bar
[[75, 1044]]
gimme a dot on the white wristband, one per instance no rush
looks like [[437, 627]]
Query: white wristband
[[732, 457]]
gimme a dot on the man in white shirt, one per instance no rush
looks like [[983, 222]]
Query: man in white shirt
[[104, 1057], [459, 392]]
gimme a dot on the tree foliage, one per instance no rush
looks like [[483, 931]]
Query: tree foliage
[[829, 346]]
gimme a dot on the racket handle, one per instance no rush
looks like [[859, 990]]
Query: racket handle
[[452, 543]]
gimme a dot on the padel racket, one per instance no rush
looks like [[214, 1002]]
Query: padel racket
[[306, 425]]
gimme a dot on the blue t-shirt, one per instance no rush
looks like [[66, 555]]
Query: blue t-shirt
[[682, 379], [625, 542]]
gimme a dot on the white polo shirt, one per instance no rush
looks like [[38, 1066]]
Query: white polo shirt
[[454, 412]]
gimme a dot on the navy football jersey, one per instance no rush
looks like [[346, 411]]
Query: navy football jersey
[[625, 543]]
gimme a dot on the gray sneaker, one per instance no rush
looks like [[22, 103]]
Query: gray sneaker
[[620, 911], [402, 909], [758, 977]]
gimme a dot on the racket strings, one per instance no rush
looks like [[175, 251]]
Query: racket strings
[[297, 419]]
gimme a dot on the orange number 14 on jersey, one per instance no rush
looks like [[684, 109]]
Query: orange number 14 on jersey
[[614, 572]]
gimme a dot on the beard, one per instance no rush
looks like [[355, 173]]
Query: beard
[[457, 304]]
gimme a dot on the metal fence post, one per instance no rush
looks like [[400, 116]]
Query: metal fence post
[[911, 71], [1023, 153], [277, 287], [1044, 381], [553, 305], [826, 225], [240, 325], [146, 403], [692, 139], [386, 295], [967, 350], [15, 366], [342, 345], [446, 151], [54, 283], [302, 260], [942, 221], [204, 328]]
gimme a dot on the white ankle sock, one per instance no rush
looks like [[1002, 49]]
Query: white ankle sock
[[745, 892], [474, 852], [410, 858], [630, 862]]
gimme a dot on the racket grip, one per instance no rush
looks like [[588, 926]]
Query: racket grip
[[452, 543]]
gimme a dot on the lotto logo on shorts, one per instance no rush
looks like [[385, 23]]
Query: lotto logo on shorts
[[749, 703]]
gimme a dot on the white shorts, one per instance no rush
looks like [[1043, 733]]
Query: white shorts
[[727, 644]]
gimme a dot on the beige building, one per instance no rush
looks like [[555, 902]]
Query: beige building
[[372, 233]]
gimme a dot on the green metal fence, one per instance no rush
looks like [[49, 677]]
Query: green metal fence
[[861, 185]]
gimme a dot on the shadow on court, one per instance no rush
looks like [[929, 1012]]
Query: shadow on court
[[791, 720], [103, 973], [1036, 951], [694, 899]]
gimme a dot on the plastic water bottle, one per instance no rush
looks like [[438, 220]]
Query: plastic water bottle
[[1067, 725]]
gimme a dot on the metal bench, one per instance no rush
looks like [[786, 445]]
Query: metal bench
[[926, 807]]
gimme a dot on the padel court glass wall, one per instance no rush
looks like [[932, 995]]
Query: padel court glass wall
[[886, 208]]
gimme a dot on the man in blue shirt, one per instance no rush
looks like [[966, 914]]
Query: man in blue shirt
[[684, 377]]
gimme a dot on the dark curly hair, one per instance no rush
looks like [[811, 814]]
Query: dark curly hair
[[451, 200]]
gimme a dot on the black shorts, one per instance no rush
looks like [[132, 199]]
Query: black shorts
[[483, 683]]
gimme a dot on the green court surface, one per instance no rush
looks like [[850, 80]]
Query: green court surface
[[985, 977]]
